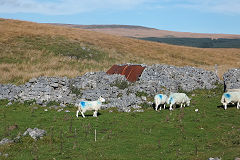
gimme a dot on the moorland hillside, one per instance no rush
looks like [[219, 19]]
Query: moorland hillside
[[30, 49]]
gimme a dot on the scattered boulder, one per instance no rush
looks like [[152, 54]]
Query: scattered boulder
[[216, 158], [35, 133], [9, 103], [5, 141]]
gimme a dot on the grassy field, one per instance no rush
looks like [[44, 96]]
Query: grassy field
[[30, 50], [178, 134]]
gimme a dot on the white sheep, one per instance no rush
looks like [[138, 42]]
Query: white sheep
[[84, 106], [178, 98], [160, 99], [230, 97]]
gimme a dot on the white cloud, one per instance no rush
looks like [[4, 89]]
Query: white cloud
[[62, 7], [219, 6]]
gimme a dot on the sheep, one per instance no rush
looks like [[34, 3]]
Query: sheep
[[160, 99], [230, 97], [84, 106], [178, 98]]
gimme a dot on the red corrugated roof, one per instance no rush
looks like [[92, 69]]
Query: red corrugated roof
[[131, 72]]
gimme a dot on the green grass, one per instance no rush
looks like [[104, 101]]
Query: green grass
[[121, 84], [62, 46], [177, 134], [76, 91]]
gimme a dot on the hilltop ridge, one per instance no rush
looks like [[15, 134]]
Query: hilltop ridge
[[144, 32]]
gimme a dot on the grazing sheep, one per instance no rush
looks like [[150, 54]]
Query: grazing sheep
[[230, 97], [178, 98], [160, 99], [84, 106]]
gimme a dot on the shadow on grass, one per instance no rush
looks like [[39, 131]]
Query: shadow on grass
[[153, 106], [88, 115], [228, 106], [166, 107]]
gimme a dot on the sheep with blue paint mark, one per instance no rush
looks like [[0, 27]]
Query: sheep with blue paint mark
[[230, 97], [178, 98], [160, 99], [84, 106]]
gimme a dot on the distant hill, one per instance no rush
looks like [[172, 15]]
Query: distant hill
[[102, 26], [200, 40], [145, 32]]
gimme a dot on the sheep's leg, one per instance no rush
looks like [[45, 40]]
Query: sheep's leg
[[225, 106], [238, 105], [83, 115], [164, 106], [170, 108], [181, 105], [156, 106], [77, 113], [95, 114]]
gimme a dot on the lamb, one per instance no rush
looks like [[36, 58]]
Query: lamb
[[230, 97], [160, 99], [178, 98], [84, 106]]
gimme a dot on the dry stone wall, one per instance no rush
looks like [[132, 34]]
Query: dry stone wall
[[232, 79], [117, 91]]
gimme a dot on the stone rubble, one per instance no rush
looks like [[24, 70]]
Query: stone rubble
[[34, 133], [232, 79], [115, 88]]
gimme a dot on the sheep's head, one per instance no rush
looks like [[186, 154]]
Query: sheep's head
[[101, 99]]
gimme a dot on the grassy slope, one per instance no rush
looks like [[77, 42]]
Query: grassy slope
[[30, 50], [178, 134]]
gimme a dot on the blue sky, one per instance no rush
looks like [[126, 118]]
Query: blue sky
[[199, 16]]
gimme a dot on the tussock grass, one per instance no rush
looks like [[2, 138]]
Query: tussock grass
[[30, 49], [177, 134]]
